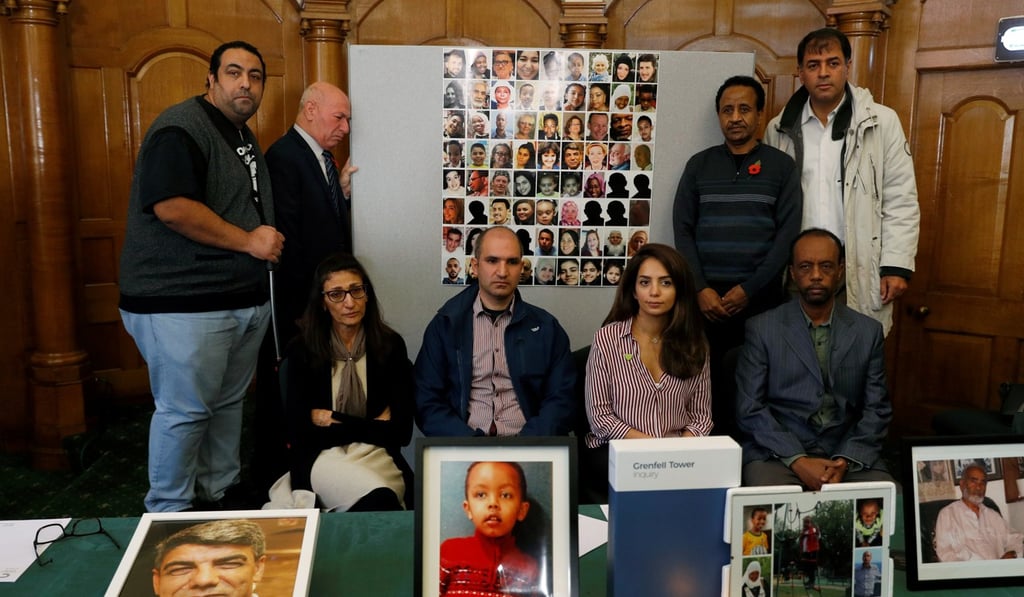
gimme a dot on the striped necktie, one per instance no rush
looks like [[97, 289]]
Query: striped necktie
[[332, 182]]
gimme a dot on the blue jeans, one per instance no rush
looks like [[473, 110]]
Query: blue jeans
[[200, 366]]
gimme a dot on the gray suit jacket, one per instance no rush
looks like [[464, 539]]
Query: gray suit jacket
[[779, 387]]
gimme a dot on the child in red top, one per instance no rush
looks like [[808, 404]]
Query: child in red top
[[809, 542], [489, 563]]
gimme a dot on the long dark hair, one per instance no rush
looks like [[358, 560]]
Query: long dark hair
[[685, 349], [532, 162], [316, 321]]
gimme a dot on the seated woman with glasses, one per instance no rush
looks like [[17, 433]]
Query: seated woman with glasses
[[349, 396]]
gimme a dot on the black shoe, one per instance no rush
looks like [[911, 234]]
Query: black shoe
[[199, 505], [241, 497]]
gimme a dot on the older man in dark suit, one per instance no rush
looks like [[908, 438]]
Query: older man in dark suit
[[314, 193], [811, 401]]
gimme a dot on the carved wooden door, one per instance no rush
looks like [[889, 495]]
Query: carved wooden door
[[963, 322]]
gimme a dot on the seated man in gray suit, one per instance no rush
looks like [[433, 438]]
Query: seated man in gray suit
[[811, 402]]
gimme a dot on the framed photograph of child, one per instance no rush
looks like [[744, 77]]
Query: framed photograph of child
[[964, 519], [264, 552], [496, 515]]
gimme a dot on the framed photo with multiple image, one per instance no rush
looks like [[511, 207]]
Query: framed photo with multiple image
[[964, 522], [831, 542], [496, 515], [269, 551]]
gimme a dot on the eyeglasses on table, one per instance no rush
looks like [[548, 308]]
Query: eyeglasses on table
[[54, 532]]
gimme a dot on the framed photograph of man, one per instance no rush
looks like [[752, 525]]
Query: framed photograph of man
[[261, 552], [496, 516], [964, 520]]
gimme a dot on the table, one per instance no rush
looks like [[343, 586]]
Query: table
[[358, 554]]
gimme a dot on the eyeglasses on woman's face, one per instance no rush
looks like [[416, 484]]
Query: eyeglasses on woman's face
[[337, 295]]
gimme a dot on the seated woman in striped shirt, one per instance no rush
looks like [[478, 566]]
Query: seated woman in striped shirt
[[647, 374]]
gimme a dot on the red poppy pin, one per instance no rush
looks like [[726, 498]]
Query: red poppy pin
[[754, 169]]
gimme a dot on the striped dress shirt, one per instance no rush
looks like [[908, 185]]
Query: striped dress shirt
[[492, 399]]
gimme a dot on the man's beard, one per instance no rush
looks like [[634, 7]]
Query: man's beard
[[977, 500], [817, 299]]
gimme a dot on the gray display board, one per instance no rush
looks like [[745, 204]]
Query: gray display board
[[395, 206]]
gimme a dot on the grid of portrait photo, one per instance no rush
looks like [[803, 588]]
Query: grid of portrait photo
[[558, 145], [820, 547]]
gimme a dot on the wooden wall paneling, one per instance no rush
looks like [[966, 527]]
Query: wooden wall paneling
[[974, 176], [258, 22], [108, 25], [959, 24], [91, 149], [390, 22], [673, 25], [954, 361], [659, 24], [898, 90], [899, 84], [778, 26], [58, 366], [514, 23], [967, 296], [163, 80], [324, 50], [15, 414], [523, 23], [583, 24]]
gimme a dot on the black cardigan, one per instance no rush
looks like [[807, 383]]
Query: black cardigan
[[389, 383]]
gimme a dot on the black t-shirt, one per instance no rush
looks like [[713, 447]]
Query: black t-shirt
[[173, 166]]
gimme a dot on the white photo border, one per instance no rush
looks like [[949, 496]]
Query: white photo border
[[140, 540], [936, 575], [742, 499]]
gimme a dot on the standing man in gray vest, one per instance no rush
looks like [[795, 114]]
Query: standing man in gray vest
[[193, 277]]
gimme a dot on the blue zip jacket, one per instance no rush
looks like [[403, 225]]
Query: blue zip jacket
[[539, 361]]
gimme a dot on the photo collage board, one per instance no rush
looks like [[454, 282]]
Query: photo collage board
[[825, 543], [556, 144]]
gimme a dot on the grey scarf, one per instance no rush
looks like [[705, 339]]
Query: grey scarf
[[350, 399]]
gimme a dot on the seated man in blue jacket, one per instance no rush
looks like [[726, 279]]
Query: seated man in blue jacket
[[490, 363]]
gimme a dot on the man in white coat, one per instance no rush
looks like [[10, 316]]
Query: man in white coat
[[857, 174]]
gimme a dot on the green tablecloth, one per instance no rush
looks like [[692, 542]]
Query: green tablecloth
[[357, 555]]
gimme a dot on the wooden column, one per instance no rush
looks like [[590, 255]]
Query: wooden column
[[58, 366], [325, 25], [863, 23], [583, 24]]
